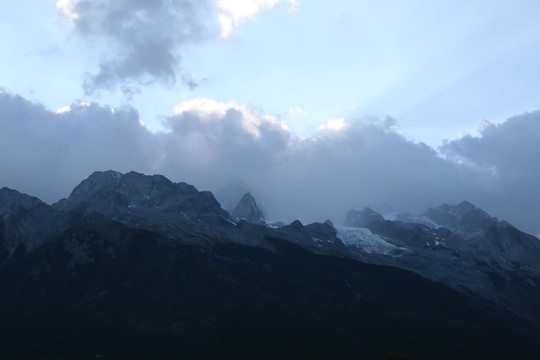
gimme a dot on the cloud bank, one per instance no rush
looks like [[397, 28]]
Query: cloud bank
[[511, 152], [348, 163]]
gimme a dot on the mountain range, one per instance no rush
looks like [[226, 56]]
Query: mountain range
[[132, 266]]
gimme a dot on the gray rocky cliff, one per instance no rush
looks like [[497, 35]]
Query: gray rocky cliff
[[248, 210], [362, 219]]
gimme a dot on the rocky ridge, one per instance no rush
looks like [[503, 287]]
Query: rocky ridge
[[464, 248], [128, 248]]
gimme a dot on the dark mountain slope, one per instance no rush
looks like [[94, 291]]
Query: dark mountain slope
[[109, 291], [137, 267], [25, 223]]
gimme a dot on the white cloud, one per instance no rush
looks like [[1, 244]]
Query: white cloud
[[78, 104], [63, 109], [297, 112], [208, 111], [241, 9], [237, 11], [226, 25], [67, 7], [334, 125]]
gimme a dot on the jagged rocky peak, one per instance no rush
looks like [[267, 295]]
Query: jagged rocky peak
[[459, 216], [230, 194], [362, 219], [11, 200], [99, 184], [325, 231], [137, 188], [317, 237], [296, 225], [131, 196], [247, 209], [132, 189]]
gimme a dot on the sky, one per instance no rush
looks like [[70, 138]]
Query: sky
[[315, 107]]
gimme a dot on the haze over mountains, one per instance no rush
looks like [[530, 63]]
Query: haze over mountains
[[209, 144], [142, 266]]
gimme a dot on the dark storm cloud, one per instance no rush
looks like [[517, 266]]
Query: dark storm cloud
[[365, 163], [511, 151], [45, 154], [145, 37]]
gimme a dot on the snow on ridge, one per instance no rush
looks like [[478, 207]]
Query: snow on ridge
[[364, 239], [414, 219]]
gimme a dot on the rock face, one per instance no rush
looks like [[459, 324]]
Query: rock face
[[464, 217], [25, 223], [362, 219], [229, 195], [462, 247], [114, 195], [247, 209], [148, 202], [13, 201], [497, 241], [131, 266]]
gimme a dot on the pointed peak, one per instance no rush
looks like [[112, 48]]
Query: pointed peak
[[97, 182], [296, 223], [247, 209], [229, 194], [248, 197]]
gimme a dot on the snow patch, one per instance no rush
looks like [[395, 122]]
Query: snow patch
[[415, 219], [365, 240]]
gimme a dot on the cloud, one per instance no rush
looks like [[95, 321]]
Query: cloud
[[235, 12], [144, 37], [334, 125], [226, 25], [67, 7], [209, 144], [510, 151], [47, 152], [296, 112], [224, 141]]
